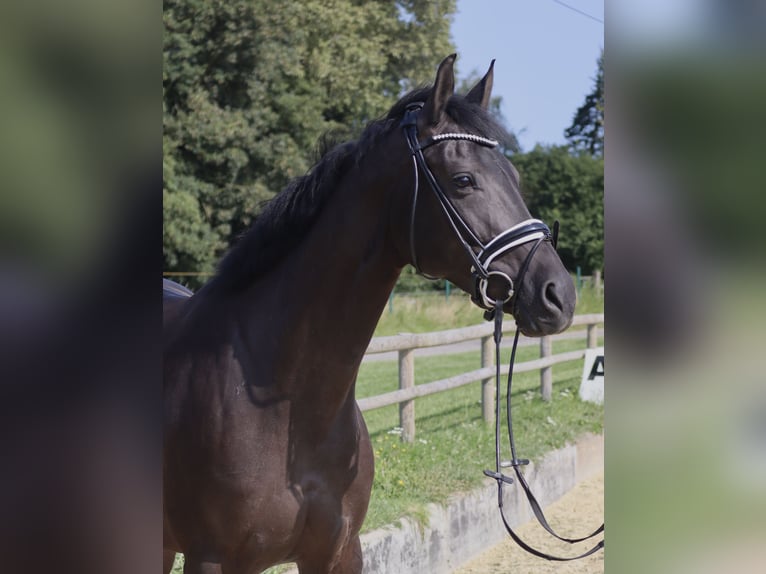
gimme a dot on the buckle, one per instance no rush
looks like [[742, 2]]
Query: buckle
[[498, 476], [411, 114], [488, 301]]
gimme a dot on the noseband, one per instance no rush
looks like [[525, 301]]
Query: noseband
[[527, 231]]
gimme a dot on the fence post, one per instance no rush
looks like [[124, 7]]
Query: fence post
[[488, 384], [592, 335], [578, 282], [406, 381], [597, 281], [546, 373]]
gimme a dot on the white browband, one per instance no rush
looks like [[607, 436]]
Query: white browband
[[470, 137]]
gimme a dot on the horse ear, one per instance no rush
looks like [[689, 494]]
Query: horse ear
[[444, 87], [482, 92]]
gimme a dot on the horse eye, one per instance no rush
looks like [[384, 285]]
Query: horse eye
[[463, 180]]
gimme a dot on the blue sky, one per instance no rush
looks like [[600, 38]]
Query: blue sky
[[546, 59]]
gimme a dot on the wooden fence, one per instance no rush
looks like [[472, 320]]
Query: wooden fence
[[406, 344]]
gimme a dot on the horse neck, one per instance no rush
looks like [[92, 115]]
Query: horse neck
[[331, 290]]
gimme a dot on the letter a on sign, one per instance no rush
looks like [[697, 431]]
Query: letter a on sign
[[598, 368], [592, 385]]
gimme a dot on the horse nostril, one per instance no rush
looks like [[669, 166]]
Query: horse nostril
[[551, 296]]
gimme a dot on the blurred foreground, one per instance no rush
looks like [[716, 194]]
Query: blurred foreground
[[686, 414], [80, 261]]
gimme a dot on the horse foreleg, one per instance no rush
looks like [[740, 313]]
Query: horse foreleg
[[351, 559], [348, 562]]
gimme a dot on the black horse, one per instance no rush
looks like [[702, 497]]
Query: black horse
[[267, 458]]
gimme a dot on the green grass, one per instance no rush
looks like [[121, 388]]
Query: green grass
[[427, 312], [453, 444], [420, 313], [589, 301]]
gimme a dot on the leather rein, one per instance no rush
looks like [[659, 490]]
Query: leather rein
[[516, 462], [525, 232]]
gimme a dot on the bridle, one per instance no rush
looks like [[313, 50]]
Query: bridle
[[525, 232], [521, 233]]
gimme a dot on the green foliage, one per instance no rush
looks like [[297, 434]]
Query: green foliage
[[587, 130], [566, 183], [188, 239], [250, 86], [559, 184]]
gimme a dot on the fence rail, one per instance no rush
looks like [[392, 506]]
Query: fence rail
[[406, 344]]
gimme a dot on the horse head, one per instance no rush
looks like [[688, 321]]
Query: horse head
[[465, 219]]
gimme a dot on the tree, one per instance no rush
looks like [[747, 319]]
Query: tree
[[569, 187], [249, 86], [587, 130]]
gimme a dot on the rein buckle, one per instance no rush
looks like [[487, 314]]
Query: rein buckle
[[498, 476]]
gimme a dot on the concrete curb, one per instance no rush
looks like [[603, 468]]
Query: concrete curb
[[470, 523]]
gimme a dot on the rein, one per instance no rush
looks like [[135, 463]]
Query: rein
[[525, 232], [516, 462]]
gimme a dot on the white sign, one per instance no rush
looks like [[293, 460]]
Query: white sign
[[592, 385]]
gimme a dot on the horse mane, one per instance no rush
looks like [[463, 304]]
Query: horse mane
[[289, 216]]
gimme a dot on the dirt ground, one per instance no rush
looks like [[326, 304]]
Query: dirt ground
[[578, 513]]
